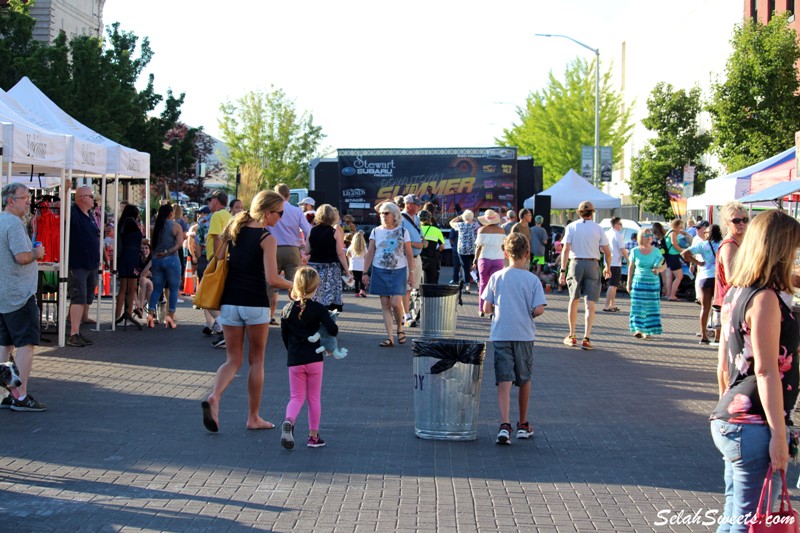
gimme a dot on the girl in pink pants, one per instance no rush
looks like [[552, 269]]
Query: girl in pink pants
[[301, 319]]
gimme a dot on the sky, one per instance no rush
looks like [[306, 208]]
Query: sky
[[433, 73]]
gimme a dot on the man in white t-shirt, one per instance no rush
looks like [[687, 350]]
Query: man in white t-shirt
[[616, 240], [583, 241]]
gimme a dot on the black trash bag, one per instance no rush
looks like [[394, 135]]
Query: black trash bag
[[449, 352]]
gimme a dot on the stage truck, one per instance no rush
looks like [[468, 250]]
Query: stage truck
[[454, 179]]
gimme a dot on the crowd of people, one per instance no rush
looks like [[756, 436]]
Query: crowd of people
[[270, 245]]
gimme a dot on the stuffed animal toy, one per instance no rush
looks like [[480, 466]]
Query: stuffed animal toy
[[327, 342]]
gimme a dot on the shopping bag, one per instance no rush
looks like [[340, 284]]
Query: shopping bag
[[209, 291], [767, 521]]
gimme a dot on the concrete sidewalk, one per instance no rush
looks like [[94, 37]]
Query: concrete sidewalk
[[621, 435]]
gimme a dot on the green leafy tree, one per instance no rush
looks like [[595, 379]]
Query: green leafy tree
[[16, 41], [558, 120], [673, 116], [756, 110], [265, 130]]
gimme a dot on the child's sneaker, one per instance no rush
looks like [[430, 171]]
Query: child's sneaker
[[316, 442], [504, 436], [287, 434], [524, 430]]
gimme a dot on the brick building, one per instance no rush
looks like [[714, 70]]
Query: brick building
[[762, 11]]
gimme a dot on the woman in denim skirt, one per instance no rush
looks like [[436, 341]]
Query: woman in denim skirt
[[757, 367]]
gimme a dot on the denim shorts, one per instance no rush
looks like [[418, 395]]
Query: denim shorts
[[513, 361], [239, 315]]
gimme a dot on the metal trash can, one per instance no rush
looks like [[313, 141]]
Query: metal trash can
[[447, 388], [439, 303]]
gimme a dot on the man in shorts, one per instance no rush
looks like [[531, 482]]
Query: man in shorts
[[19, 314], [513, 297], [539, 240], [84, 263], [410, 221], [291, 233], [583, 241], [616, 241], [217, 201]]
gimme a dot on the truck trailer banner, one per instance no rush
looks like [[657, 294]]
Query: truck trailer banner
[[454, 179]]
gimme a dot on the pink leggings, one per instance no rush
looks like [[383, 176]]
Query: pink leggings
[[305, 381], [486, 267]]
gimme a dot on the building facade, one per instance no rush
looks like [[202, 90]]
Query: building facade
[[763, 10], [72, 17]]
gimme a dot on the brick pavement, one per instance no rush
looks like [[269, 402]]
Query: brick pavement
[[621, 433]]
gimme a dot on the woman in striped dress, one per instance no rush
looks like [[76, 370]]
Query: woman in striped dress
[[644, 286]]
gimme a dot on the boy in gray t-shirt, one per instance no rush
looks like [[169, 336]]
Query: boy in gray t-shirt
[[513, 297]]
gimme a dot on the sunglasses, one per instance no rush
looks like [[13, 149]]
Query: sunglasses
[[280, 213], [386, 213], [743, 220], [647, 234]]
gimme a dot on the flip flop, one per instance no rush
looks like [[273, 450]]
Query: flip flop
[[208, 420], [401, 337]]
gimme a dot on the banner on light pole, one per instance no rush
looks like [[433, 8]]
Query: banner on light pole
[[587, 162], [606, 163]]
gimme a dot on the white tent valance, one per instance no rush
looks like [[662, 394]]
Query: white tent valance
[[571, 190]]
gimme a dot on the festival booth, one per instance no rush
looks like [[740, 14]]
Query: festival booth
[[738, 184], [571, 190], [118, 161]]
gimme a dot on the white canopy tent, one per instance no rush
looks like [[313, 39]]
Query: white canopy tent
[[119, 161], [571, 190]]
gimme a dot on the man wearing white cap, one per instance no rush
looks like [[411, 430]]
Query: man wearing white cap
[[307, 204], [412, 205], [583, 241]]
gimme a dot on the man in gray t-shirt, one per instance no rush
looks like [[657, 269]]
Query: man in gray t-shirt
[[19, 314]]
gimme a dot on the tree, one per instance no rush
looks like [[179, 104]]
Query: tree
[[756, 110], [558, 120], [16, 41], [673, 116], [264, 130]]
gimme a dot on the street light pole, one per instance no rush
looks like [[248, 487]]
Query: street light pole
[[596, 173]]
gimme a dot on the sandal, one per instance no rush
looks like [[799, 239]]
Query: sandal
[[401, 337], [388, 343]]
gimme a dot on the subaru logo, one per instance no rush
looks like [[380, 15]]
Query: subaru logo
[[348, 171]]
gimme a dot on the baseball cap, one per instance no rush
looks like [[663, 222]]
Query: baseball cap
[[219, 195], [412, 199], [702, 224], [585, 206], [204, 210], [307, 201]]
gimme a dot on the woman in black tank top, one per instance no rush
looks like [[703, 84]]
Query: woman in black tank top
[[245, 306]]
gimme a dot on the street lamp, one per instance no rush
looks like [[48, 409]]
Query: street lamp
[[596, 101]]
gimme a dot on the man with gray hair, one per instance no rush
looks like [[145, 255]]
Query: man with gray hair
[[512, 219], [84, 263], [19, 314]]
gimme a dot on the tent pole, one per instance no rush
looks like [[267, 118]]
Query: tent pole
[[66, 212], [102, 245]]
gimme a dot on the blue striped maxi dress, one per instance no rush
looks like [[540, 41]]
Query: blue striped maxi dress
[[645, 314]]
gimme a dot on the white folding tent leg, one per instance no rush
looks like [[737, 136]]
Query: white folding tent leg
[[114, 274], [63, 266], [100, 284], [147, 208]]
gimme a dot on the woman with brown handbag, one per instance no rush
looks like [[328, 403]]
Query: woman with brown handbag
[[244, 306]]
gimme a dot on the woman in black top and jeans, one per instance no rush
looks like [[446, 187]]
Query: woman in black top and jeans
[[245, 306]]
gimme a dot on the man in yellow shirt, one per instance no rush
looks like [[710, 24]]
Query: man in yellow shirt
[[217, 202]]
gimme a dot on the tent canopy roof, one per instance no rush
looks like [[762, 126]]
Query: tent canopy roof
[[777, 191], [571, 190]]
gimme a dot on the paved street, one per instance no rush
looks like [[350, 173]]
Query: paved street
[[621, 434]]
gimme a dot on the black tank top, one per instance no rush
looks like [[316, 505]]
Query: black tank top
[[246, 284], [322, 240]]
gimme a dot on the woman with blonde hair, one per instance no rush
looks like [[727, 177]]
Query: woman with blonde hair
[[675, 244], [356, 253], [244, 310], [326, 242], [645, 263], [757, 366], [389, 255]]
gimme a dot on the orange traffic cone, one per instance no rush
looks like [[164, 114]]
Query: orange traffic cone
[[106, 283], [188, 278]]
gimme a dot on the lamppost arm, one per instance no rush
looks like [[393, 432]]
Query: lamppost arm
[[595, 50]]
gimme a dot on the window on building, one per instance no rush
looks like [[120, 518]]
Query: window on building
[[790, 9], [770, 9], [754, 10]]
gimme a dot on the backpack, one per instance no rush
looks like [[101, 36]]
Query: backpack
[[666, 243]]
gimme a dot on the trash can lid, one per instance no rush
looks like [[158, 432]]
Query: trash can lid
[[430, 290]]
